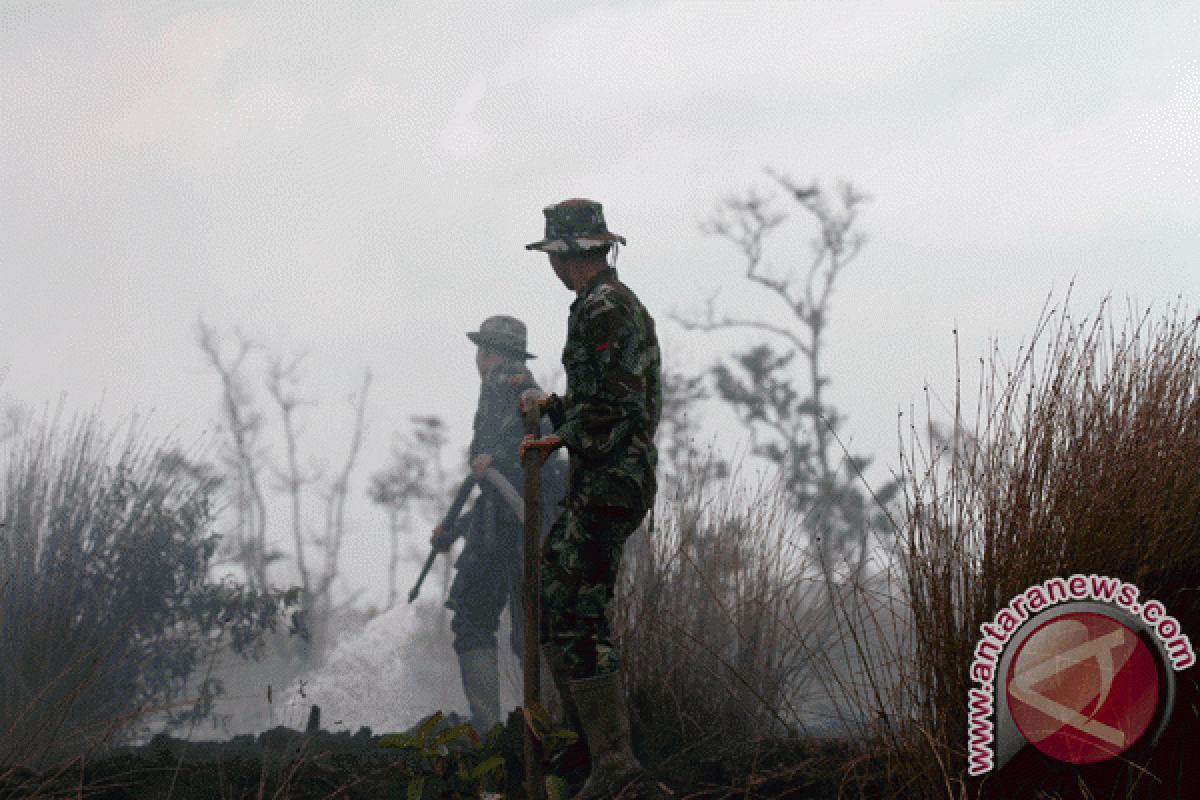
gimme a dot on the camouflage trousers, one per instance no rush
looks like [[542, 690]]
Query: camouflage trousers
[[580, 560], [481, 589]]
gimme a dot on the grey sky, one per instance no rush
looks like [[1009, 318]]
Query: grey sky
[[362, 178]]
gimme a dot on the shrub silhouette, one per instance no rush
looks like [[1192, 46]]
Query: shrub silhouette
[[105, 608]]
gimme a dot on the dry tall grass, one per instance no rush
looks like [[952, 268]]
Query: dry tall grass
[[731, 635], [1085, 458]]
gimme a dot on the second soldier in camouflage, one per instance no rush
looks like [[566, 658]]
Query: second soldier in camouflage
[[489, 568]]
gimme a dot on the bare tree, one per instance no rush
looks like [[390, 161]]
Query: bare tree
[[281, 382], [241, 455], [246, 459], [335, 499], [430, 436], [795, 430], [399, 488], [316, 606]]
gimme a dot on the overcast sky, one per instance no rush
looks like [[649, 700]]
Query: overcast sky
[[361, 179]]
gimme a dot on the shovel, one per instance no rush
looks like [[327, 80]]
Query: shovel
[[535, 785]]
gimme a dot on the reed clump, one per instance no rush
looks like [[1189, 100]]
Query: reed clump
[[750, 664], [1084, 458]]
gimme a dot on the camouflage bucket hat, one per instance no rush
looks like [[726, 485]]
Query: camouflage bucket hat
[[573, 226], [502, 333]]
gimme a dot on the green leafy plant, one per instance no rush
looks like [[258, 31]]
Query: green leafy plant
[[454, 762], [445, 767], [552, 738], [554, 741]]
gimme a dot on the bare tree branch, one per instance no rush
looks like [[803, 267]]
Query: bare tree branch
[[292, 481], [336, 503], [727, 323], [796, 435], [244, 425]]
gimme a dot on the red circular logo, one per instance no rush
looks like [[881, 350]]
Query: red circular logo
[[1082, 688]]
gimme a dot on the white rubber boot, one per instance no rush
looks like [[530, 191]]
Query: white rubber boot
[[481, 685]]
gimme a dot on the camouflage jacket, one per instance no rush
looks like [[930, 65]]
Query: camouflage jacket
[[491, 526], [614, 398], [498, 424]]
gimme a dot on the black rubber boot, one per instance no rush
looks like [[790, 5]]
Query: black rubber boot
[[600, 703], [562, 681]]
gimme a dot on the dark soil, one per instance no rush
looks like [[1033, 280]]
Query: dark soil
[[319, 765], [278, 763]]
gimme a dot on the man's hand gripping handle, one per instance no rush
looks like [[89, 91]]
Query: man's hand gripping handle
[[531, 403]]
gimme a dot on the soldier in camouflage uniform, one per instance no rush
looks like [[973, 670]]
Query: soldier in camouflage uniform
[[489, 568], [607, 422]]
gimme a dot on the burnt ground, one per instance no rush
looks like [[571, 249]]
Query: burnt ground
[[319, 765], [281, 762]]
